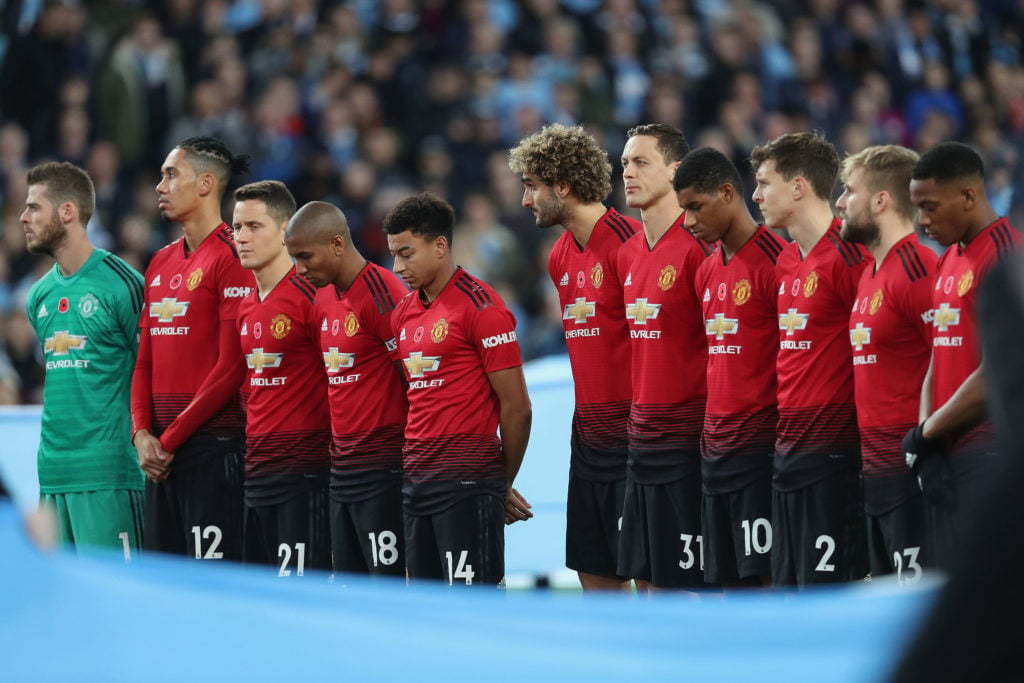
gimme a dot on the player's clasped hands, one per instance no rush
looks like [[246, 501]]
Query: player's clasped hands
[[153, 459], [516, 507]]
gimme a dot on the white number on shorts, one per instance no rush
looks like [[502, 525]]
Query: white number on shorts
[[753, 533], [460, 570], [284, 553], [211, 532], [911, 555], [688, 558], [828, 543], [384, 548], [126, 547]]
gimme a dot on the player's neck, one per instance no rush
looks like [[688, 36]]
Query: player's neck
[[986, 216], [659, 217], [198, 227], [72, 254], [743, 228], [888, 237], [582, 219], [433, 289], [270, 275], [810, 225], [352, 264]]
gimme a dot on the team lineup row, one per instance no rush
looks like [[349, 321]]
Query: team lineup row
[[291, 403]]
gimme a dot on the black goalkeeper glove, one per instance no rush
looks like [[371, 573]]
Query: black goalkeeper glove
[[925, 459]]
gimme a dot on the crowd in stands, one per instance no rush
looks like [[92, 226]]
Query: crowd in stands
[[361, 103]]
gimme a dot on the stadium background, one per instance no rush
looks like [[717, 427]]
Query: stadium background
[[363, 102]]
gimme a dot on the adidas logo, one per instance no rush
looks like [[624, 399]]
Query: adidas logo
[[245, 329], [707, 295], [401, 337], [782, 288], [564, 281], [629, 280], [323, 328], [42, 311], [155, 281]]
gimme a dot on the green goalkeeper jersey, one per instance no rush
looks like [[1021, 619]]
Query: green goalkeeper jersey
[[88, 326]]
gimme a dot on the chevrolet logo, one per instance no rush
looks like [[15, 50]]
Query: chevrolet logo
[[61, 343], [257, 360], [639, 311], [721, 326], [859, 336], [417, 363], [334, 360], [946, 316], [168, 309], [579, 311], [792, 321]]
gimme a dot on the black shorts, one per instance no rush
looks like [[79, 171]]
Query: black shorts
[[463, 545], [737, 530], [660, 540], [293, 535], [593, 516], [818, 532], [897, 541], [197, 511], [368, 536], [965, 483]]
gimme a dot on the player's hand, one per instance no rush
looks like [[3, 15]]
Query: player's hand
[[153, 459], [925, 458], [517, 508], [916, 447]]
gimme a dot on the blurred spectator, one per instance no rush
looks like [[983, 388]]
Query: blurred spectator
[[36, 63], [141, 91]]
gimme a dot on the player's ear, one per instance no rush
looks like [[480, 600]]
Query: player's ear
[[338, 245], [727, 192], [206, 183], [881, 201], [969, 196], [441, 245], [561, 189], [284, 231], [800, 187], [68, 212]]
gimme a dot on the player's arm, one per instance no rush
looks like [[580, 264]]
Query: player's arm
[[925, 408], [966, 405], [153, 459], [219, 387], [514, 423]]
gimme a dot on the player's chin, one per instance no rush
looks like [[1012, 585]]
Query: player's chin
[[168, 217]]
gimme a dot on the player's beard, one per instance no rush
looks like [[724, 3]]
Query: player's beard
[[551, 212], [860, 230], [50, 239]]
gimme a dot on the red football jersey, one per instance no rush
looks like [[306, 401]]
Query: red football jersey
[[817, 430], [596, 334], [287, 417], [956, 346], [367, 396], [669, 366], [187, 297], [739, 302], [889, 336], [448, 347]]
